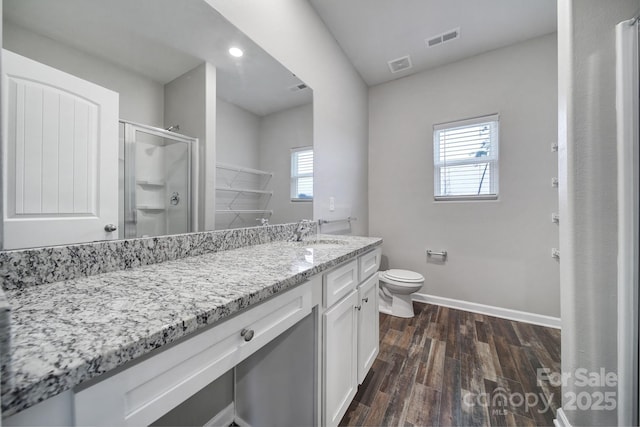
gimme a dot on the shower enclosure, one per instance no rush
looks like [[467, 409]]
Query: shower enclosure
[[158, 181]]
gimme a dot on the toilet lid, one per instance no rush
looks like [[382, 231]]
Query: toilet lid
[[404, 276]]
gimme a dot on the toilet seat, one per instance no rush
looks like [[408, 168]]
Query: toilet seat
[[405, 276]]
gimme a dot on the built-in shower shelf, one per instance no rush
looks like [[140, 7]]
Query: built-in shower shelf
[[151, 182], [151, 208], [244, 190]]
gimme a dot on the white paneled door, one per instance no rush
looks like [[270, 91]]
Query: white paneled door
[[60, 156]]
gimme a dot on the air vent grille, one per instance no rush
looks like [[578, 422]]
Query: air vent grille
[[400, 64], [450, 36], [298, 87], [443, 38], [434, 41]]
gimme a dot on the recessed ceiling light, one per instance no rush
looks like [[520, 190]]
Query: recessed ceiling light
[[237, 52]]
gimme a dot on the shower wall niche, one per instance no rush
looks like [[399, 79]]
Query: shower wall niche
[[158, 181]]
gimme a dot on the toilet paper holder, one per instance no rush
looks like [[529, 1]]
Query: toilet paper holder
[[442, 253]]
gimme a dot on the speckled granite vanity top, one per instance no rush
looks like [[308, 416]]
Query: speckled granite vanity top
[[67, 332]]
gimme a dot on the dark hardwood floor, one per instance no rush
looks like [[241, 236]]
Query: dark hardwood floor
[[447, 367]]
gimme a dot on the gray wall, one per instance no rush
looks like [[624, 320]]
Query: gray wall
[[141, 99], [264, 143], [237, 135], [587, 172], [261, 389], [304, 45], [190, 102], [202, 406], [1, 133], [237, 143], [499, 251], [279, 133]]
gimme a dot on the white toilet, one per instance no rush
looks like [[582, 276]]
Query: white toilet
[[396, 287]]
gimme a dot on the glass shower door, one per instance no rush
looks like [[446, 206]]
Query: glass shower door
[[158, 181]]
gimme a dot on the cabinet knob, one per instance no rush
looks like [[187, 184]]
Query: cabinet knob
[[247, 334], [358, 307], [365, 299], [110, 228]]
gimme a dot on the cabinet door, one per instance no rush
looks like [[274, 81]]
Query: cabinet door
[[340, 358], [369, 263], [340, 282], [368, 328]]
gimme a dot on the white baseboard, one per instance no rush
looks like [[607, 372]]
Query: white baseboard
[[505, 313], [241, 422], [561, 419], [225, 417]]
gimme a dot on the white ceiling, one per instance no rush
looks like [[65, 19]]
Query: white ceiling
[[373, 32], [163, 39]]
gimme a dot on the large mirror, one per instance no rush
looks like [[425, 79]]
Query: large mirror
[[132, 118]]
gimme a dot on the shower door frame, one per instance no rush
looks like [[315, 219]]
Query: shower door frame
[[628, 147], [130, 208]]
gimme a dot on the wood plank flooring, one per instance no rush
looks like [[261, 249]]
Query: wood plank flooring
[[447, 367]]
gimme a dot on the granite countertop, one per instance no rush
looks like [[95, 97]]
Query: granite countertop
[[67, 332]]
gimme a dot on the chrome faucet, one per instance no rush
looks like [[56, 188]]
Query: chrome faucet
[[302, 227]]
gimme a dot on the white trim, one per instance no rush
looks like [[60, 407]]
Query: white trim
[[224, 417], [492, 159], [241, 422], [465, 197], [505, 313], [295, 176], [561, 419], [627, 139], [495, 117]]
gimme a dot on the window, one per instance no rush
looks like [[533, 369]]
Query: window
[[465, 159], [301, 174]]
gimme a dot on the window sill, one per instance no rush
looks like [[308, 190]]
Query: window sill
[[465, 198], [301, 200]]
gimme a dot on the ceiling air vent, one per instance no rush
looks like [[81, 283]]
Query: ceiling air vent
[[299, 86], [434, 41], [400, 64], [443, 38]]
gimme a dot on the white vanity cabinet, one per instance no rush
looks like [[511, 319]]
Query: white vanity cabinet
[[351, 332], [340, 358], [368, 326], [311, 344], [147, 390]]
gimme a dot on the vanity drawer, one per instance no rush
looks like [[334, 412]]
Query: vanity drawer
[[339, 282], [369, 263], [144, 392]]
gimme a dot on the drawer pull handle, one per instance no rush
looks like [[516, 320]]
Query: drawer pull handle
[[247, 334], [358, 307], [365, 299]]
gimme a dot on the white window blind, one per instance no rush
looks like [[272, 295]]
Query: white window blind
[[465, 155], [302, 174]]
